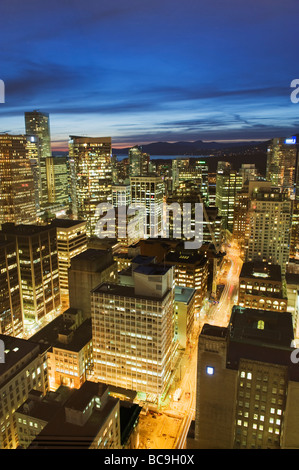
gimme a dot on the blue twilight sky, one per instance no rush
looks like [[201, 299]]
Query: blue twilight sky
[[144, 71]]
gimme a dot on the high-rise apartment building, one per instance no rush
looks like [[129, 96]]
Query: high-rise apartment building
[[91, 177], [17, 189], [269, 227], [147, 192], [247, 385], [133, 331], [11, 315], [71, 241], [36, 248], [281, 164], [37, 124], [228, 183]]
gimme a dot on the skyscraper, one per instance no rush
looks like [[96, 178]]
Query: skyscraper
[[138, 161], [17, 190], [281, 164], [247, 385], [269, 227], [147, 192], [91, 177], [133, 330], [71, 241], [11, 314], [228, 183], [57, 180], [37, 124], [38, 268]]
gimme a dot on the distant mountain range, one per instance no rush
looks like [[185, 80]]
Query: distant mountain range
[[193, 148]]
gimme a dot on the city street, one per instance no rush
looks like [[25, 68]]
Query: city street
[[169, 430]]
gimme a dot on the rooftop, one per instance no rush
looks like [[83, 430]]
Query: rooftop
[[45, 408], [18, 352], [152, 269], [66, 223], [260, 335], [124, 291], [260, 270], [183, 294], [190, 257], [60, 433], [23, 229], [48, 336]]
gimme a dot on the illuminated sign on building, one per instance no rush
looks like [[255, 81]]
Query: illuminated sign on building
[[291, 140]]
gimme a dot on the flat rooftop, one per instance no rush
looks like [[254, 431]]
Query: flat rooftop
[[48, 336], [61, 434], [152, 269], [23, 229], [183, 294], [261, 271], [124, 291], [260, 335], [268, 327], [66, 223], [18, 353], [185, 258]]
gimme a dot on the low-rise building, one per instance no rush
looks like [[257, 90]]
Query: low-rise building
[[261, 286], [68, 339]]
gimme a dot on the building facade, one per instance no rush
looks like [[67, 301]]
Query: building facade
[[17, 189], [36, 247], [91, 176], [133, 331], [247, 385]]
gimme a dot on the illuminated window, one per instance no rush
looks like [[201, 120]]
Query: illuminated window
[[210, 370]]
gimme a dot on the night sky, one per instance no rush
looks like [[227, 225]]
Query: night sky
[[144, 71]]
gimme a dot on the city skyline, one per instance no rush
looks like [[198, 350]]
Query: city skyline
[[151, 72]]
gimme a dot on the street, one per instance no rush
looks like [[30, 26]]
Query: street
[[170, 428]]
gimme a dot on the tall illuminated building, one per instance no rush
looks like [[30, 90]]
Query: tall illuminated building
[[11, 315], [57, 180], [133, 331], [269, 227], [247, 386], [178, 165], [71, 241], [147, 192], [36, 247], [281, 164], [138, 161], [17, 189], [241, 224], [228, 183], [37, 124], [91, 177], [248, 172]]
